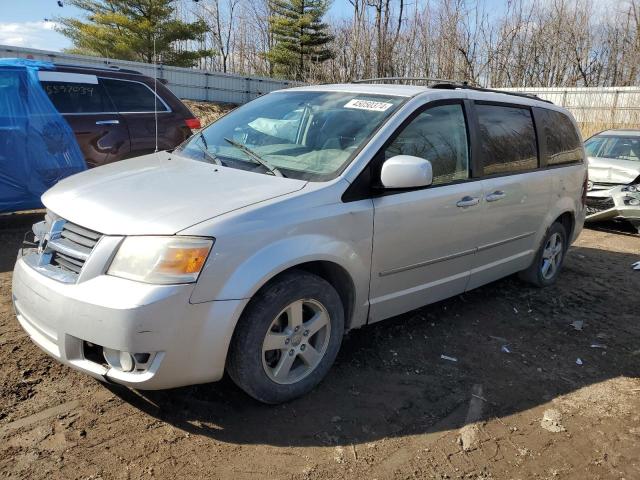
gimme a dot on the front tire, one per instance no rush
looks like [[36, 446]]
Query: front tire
[[548, 261], [287, 338]]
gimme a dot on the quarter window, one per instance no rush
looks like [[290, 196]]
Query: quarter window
[[508, 139], [132, 96], [563, 143], [438, 134], [73, 97]]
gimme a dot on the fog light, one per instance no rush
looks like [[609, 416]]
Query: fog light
[[127, 363], [633, 201], [123, 361]]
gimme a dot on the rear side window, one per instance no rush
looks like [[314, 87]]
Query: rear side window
[[132, 96], [563, 142], [74, 97], [508, 139], [439, 134]]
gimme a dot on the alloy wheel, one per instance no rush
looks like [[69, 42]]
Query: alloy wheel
[[296, 341], [552, 256]]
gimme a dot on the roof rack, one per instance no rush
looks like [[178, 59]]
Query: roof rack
[[404, 79], [111, 68], [444, 84], [454, 85]]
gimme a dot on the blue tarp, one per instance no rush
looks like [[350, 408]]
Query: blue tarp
[[37, 146]]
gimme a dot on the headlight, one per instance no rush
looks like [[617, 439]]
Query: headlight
[[163, 260], [631, 188]]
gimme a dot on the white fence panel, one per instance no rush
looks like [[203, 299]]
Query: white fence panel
[[595, 108], [186, 83]]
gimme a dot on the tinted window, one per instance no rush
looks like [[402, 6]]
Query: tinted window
[[563, 143], [621, 148], [508, 139], [438, 134], [131, 96], [72, 97]]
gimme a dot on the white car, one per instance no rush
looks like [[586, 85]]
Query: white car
[[614, 176], [303, 214]]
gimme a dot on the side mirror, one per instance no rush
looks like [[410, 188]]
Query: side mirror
[[406, 171]]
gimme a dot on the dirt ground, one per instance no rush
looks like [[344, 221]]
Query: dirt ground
[[391, 408], [208, 112]]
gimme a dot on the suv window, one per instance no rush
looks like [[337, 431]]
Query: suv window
[[132, 96], [563, 143], [438, 134], [508, 139], [72, 97]]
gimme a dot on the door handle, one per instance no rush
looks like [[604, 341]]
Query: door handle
[[468, 202], [495, 196], [108, 122]]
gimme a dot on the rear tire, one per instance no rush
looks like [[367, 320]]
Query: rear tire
[[287, 338], [548, 261]]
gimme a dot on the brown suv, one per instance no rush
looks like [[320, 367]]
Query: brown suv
[[111, 111]]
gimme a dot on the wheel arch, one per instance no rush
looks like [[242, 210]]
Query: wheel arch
[[332, 272], [568, 220], [563, 211]]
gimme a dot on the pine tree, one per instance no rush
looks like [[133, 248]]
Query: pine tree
[[125, 29], [300, 36]]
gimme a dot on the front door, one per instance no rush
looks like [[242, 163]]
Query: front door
[[424, 240]]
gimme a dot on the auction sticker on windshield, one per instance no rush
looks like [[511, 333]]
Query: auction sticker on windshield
[[368, 105]]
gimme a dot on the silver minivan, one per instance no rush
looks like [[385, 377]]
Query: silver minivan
[[254, 246]]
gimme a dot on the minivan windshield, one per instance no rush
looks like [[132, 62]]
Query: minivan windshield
[[300, 134]]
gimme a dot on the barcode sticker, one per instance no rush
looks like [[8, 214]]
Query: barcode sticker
[[368, 105]]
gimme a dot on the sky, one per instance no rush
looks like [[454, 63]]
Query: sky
[[24, 23]]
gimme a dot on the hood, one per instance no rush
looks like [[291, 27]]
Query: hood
[[159, 194], [609, 170]]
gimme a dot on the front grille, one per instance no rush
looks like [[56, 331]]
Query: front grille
[[67, 262], [71, 248], [599, 204]]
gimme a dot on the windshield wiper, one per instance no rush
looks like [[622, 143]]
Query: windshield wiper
[[255, 157], [205, 149]]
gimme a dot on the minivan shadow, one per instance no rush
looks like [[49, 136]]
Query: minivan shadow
[[390, 380]]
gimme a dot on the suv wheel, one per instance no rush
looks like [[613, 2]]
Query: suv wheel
[[288, 338], [546, 266]]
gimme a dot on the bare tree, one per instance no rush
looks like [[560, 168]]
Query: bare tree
[[221, 23], [527, 43]]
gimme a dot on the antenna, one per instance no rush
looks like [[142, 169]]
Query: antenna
[[155, 89]]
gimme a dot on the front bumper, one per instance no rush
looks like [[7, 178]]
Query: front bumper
[[613, 204], [188, 342]]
